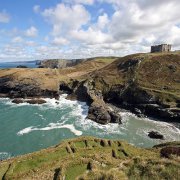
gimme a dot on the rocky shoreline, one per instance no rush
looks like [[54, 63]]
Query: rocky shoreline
[[137, 101], [123, 83]]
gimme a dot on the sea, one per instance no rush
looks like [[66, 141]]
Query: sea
[[4, 65], [26, 128]]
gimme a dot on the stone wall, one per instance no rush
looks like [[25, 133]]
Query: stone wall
[[161, 48]]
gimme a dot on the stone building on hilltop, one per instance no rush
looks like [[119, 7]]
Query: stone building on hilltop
[[161, 48]]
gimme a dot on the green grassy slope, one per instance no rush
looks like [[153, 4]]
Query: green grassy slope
[[156, 73], [91, 158]]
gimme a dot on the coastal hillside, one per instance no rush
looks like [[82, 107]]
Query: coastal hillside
[[62, 63], [147, 84], [19, 82], [92, 158]]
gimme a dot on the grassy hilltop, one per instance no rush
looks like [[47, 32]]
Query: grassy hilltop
[[93, 158]]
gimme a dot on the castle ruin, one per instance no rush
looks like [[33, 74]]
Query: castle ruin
[[161, 48]]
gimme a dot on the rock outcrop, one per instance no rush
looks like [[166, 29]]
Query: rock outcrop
[[98, 110], [29, 101], [155, 135], [59, 63], [169, 151]]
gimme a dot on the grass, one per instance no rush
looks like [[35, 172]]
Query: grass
[[93, 158], [75, 170]]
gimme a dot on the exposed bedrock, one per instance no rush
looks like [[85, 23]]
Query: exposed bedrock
[[130, 97], [98, 109], [141, 102], [16, 89]]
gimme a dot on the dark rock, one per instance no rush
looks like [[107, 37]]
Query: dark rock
[[83, 92], [65, 88], [115, 117], [99, 114], [172, 68], [21, 66], [114, 153], [17, 101], [89, 166], [168, 151], [155, 135], [36, 101], [127, 64], [104, 143], [138, 112]]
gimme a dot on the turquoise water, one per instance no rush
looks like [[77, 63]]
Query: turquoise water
[[26, 128]]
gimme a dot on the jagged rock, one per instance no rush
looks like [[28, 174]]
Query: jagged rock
[[168, 151], [155, 135], [99, 114], [17, 101], [115, 117], [138, 112]]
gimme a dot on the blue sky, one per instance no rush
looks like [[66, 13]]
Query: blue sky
[[42, 29]]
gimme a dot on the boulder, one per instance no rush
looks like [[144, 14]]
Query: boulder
[[168, 151], [99, 114], [155, 135]]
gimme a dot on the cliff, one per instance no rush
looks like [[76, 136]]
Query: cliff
[[93, 158], [62, 63], [146, 84]]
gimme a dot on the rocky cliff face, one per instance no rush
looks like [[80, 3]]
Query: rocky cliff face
[[59, 63], [146, 84]]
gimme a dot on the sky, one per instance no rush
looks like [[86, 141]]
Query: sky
[[71, 29]]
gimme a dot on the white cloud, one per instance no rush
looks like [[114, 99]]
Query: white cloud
[[36, 8], [17, 39], [102, 21], [66, 18], [30, 43], [60, 41], [133, 26], [4, 17], [31, 32], [86, 2]]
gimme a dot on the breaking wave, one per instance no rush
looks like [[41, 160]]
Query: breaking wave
[[50, 127]]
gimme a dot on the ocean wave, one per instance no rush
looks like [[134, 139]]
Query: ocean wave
[[4, 155], [50, 127]]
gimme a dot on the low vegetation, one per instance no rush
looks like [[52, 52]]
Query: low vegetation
[[92, 158]]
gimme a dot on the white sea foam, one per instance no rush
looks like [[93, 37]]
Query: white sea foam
[[132, 129], [4, 155], [50, 127]]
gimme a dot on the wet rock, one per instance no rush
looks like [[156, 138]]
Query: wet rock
[[115, 117], [155, 135], [99, 114], [36, 101], [168, 151], [17, 101]]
